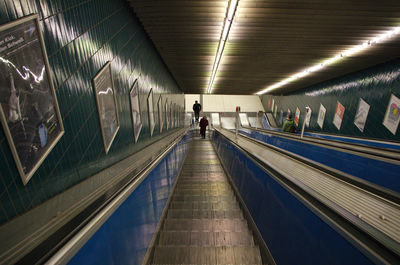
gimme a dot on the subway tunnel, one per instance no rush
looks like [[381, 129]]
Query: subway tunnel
[[293, 158]]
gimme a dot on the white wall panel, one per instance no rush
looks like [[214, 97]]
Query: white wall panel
[[226, 103]]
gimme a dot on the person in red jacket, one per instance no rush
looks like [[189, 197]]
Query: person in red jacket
[[203, 126]]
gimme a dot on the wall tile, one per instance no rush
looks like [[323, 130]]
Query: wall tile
[[80, 37]]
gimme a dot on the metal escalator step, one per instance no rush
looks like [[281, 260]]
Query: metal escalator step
[[202, 174], [204, 192], [198, 205], [190, 238], [198, 180], [201, 168], [203, 214], [203, 225], [207, 255], [209, 160], [209, 198], [203, 185]]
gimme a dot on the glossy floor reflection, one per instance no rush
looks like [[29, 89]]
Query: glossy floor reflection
[[204, 223]]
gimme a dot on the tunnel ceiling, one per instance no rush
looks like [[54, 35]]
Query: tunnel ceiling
[[268, 42]]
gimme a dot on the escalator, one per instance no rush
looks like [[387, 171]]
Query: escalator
[[204, 223]]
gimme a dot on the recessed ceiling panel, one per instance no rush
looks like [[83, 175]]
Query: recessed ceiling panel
[[268, 42]]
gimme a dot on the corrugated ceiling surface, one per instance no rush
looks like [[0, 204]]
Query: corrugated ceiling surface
[[269, 40]]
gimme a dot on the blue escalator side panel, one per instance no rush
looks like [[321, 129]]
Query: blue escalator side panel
[[293, 233], [126, 235], [355, 141], [375, 171]]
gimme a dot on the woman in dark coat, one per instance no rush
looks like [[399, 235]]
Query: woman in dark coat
[[203, 126]]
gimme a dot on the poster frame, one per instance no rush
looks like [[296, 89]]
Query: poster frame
[[135, 88], [160, 114], [338, 119], [150, 104], [320, 119], [297, 116], [25, 177], [166, 115], [106, 67], [171, 110], [386, 120], [360, 122]]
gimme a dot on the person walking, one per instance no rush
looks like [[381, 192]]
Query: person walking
[[196, 109], [203, 126], [289, 125]]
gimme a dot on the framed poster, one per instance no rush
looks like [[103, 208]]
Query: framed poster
[[29, 111], [166, 115], [273, 105], [151, 112], [361, 115], [172, 114], [135, 110], [321, 116], [106, 105], [338, 118], [160, 114], [308, 117], [392, 116], [297, 116]]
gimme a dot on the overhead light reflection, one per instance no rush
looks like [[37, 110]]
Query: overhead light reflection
[[27, 71], [224, 36], [350, 52]]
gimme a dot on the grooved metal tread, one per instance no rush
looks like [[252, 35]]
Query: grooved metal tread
[[204, 223]]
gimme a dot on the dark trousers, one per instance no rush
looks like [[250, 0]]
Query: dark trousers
[[196, 115], [203, 133]]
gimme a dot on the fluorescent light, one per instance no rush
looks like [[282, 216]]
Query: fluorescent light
[[347, 53], [222, 41], [227, 26], [232, 9]]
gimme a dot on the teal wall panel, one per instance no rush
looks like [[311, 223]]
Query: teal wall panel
[[374, 85], [80, 37]]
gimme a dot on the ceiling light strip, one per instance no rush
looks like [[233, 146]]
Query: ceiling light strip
[[224, 36], [350, 52]]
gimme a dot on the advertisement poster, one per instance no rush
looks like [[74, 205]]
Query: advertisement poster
[[151, 111], [281, 117], [273, 105], [392, 115], [135, 109], [160, 114], [275, 110], [321, 116], [297, 117], [338, 118], [308, 117], [269, 103], [172, 115], [29, 110], [361, 115], [167, 115], [106, 105]]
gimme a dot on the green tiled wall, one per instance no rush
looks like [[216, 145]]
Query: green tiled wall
[[81, 36], [374, 85]]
